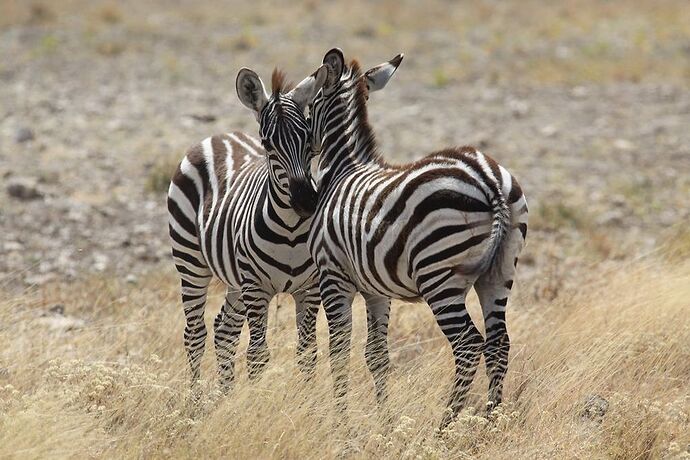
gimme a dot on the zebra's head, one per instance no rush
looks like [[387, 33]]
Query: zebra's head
[[284, 132], [341, 82]]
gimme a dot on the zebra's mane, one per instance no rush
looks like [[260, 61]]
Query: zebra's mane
[[279, 83], [367, 149]]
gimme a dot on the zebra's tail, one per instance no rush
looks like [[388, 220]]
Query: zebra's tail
[[500, 229]]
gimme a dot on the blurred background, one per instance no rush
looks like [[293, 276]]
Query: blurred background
[[585, 101]]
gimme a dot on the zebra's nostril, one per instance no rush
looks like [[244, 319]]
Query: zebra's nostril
[[303, 197]]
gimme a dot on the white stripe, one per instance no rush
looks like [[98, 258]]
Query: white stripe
[[213, 180], [178, 196]]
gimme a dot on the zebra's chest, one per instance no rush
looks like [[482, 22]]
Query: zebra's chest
[[281, 266]]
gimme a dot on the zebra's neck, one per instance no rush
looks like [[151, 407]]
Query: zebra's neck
[[352, 142]]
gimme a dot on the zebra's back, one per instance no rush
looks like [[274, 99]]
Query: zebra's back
[[391, 227]]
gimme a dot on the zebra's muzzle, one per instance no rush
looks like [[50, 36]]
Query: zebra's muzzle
[[303, 197]]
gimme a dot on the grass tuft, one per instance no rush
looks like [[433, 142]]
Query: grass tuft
[[115, 385]]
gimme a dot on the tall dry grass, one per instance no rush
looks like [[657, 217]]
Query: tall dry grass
[[109, 379]]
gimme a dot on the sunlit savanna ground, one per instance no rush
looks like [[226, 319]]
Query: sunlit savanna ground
[[586, 102]]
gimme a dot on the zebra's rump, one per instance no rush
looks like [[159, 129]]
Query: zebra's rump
[[210, 178]]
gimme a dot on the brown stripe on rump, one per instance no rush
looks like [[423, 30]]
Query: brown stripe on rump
[[515, 191], [220, 153]]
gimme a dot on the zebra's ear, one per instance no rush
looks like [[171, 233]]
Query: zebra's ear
[[251, 90], [377, 77], [305, 92], [335, 62]]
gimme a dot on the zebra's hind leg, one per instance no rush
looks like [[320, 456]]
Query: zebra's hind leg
[[256, 303], [447, 302], [226, 334], [194, 286], [307, 304], [493, 290], [376, 352]]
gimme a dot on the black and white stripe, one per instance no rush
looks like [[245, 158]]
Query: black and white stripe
[[231, 216], [431, 229]]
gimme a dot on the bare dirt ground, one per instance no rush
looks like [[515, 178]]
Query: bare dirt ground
[[587, 103]]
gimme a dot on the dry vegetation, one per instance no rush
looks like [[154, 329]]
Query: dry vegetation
[[585, 101], [113, 383]]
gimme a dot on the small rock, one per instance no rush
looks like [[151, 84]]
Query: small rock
[[580, 92], [518, 108], [614, 217], [23, 134], [39, 279], [13, 246], [203, 117], [57, 309], [549, 130], [101, 262], [595, 407], [623, 144], [23, 189], [131, 279], [61, 323]]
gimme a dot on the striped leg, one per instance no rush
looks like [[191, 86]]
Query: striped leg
[[376, 353], [447, 302], [226, 334], [337, 296], [307, 303], [493, 289], [194, 288], [256, 303]]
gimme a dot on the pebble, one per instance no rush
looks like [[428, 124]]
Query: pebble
[[623, 144], [23, 189], [595, 407], [23, 134], [549, 130]]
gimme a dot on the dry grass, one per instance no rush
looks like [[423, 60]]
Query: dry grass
[[114, 384]]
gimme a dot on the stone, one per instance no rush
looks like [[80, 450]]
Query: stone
[[23, 134], [23, 188], [594, 407]]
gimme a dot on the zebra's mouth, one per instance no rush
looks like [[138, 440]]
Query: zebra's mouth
[[303, 197]]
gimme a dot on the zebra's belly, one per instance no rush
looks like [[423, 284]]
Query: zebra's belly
[[274, 267], [390, 263], [290, 282]]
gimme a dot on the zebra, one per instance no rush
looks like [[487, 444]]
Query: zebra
[[231, 216], [431, 229]]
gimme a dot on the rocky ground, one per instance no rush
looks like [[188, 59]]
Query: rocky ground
[[99, 101], [587, 102]]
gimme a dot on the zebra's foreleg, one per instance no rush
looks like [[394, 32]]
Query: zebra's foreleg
[[376, 352], [226, 334], [307, 303], [256, 304], [337, 296]]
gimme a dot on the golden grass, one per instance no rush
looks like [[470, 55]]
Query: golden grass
[[115, 385]]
